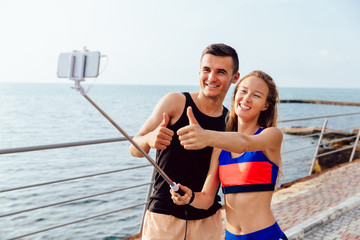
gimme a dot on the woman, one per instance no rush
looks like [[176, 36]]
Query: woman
[[245, 159]]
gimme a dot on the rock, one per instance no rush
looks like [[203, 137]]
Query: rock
[[329, 133], [331, 160], [332, 140]]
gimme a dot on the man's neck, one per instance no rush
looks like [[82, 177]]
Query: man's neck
[[209, 106]]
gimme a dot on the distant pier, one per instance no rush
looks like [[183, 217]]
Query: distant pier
[[320, 102]]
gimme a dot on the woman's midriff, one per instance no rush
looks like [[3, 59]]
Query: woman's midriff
[[248, 212]]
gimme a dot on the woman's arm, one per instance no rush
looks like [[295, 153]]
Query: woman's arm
[[205, 198], [194, 136], [268, 140]]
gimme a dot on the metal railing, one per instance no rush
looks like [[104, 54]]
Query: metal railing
[[320, 137], [69, 145], [297, 139]]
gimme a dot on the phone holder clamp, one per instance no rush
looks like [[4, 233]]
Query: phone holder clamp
[[82, 68]]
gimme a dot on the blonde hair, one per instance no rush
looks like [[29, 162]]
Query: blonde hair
[[268, 117]]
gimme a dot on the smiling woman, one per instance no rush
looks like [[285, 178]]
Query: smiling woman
[[246, 160]]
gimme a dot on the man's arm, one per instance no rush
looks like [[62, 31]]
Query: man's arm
[[154, 132]]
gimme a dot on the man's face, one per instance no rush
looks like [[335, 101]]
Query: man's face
[[216, 75]]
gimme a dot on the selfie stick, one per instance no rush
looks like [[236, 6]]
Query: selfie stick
[[78, 87]]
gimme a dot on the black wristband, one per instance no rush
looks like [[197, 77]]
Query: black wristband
[[192, 198]]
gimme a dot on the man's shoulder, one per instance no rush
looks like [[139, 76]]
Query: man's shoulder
[[173, 104], [174, 96], [173, 99]]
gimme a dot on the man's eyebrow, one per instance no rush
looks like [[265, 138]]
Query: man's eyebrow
[[222, 70]]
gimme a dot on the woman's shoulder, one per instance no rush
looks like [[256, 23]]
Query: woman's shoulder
[[275, 131]]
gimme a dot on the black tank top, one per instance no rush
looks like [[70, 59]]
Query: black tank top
[[188, 167]]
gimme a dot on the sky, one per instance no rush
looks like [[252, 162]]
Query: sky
[[300, 43]]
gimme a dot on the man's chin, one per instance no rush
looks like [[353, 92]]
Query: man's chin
[[213, 93]]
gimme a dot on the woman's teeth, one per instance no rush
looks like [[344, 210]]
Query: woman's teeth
[[244, 107]]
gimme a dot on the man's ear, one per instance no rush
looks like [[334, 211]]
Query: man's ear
[[235, 78]]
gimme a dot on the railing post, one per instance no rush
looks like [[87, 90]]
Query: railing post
[[318, 146], [355, 145], [147, 199]]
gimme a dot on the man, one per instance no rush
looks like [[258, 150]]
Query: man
[[164, 220]]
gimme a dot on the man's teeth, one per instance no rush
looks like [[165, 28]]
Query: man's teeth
[[211, 85]]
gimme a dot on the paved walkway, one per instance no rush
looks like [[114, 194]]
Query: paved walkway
[[302, 209], [324, 206], [347, 226]]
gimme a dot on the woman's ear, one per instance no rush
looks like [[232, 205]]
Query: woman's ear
[[266, 106]]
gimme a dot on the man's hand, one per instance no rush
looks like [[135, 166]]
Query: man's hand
[[181, 200], [161, 137], [192, 136]]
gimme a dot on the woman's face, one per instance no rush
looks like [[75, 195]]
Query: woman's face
[[250, 98]]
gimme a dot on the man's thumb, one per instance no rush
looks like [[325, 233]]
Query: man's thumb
[[165, 120], [191, 117]]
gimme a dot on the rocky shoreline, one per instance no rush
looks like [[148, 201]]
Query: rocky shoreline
[[334, 140]]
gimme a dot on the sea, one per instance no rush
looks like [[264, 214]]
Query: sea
[[33, 114]]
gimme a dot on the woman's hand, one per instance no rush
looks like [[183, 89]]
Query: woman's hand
[[192, 136], [181, 200]]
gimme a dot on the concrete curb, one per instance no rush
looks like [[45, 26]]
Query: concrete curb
[[299, 231]]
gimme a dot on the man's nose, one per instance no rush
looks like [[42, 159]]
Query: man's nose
[[212, 77]]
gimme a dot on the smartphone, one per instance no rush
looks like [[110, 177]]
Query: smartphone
[[70, 65]]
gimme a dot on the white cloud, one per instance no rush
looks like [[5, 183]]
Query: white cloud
[[323, 53]]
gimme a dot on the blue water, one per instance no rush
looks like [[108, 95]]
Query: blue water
[[38, 114]]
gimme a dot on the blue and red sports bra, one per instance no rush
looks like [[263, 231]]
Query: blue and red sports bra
[[250, 172]]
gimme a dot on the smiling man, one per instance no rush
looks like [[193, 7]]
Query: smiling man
[[219, 66]]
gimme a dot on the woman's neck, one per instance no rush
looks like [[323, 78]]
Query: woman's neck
[[248, 128]]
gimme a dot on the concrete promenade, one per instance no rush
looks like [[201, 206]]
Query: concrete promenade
[[324, 206]]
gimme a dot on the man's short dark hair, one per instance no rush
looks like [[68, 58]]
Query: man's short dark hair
[[220, 49]]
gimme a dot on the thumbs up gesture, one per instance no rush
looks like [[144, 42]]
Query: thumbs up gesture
[[161, 137], [192, 136]]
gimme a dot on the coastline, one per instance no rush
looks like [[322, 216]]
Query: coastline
[[343, 103]]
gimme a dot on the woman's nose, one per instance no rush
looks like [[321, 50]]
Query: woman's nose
[[247, 97]]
